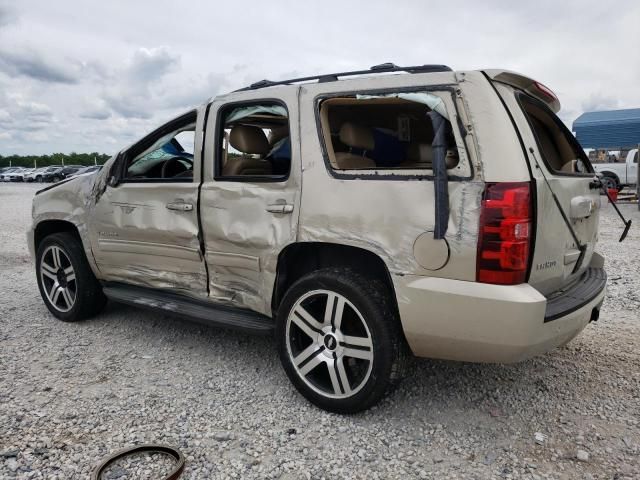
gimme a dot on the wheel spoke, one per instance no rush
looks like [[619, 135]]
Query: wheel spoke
[[55, 293], [306, 353], [311, 364], [357, 353], [48, 268], [71, 275], [302, 312], [333, 375], [55, 253], [351, 341], [306, 322], [342, 373], [333, 310], [66, 295], [48, 273]]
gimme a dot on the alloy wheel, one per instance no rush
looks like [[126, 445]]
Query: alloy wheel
[[58, 278], [329, 344]]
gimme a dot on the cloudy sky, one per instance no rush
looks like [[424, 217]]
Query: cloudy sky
[[85, 75]]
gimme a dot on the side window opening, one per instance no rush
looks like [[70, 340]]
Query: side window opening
[[255, 142], [380, 134], [165, 156], [560, 150]]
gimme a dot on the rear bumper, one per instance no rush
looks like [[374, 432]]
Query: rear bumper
[[476, 322]]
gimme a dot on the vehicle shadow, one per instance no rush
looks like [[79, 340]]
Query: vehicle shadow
[[434, 390]]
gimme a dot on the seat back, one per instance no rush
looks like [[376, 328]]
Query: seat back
[[358, 137], [249, 140]]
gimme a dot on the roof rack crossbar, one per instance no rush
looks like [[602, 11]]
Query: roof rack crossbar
[[333, 77]]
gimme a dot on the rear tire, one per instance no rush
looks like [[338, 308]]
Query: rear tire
[[609, 182], [68, 287], [340, 340]]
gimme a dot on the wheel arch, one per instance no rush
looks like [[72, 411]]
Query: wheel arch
[[48, 227], [612, 174], [298, 259]]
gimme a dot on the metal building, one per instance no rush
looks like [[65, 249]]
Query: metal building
[[610, 129]]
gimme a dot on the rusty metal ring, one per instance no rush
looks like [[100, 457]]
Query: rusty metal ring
[[173, 452]]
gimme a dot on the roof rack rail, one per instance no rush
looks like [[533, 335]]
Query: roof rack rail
[[334, 77]]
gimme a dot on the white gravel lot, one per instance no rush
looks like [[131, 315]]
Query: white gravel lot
[[72, 393]]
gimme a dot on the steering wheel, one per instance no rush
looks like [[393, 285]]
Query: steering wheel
[[173, 167]]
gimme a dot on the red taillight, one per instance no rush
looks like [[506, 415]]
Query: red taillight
[[505, 233]]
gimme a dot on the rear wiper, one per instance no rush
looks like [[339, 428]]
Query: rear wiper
[[597, 183]]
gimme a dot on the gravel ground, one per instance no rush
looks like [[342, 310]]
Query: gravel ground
[[72, 393]]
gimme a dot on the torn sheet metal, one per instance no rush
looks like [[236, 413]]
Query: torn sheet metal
[[69, 202]]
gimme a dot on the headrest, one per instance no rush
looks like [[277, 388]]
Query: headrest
[[357, 136], [249, 139], [278, 133]]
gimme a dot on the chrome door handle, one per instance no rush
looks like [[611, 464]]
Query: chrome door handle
[[280, 208], [180, 206]]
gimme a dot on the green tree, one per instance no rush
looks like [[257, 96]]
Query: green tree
[[72, 158]]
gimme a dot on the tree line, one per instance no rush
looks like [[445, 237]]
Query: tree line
[[72, 158]]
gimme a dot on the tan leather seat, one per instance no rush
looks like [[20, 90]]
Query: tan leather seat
[[278, 133], [420, 155], [355, 136], [251, 141], [570, 167]]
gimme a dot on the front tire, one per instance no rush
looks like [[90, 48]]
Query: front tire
[[340, 340], [68, 287]]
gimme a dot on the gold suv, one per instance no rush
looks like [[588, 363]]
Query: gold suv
[[360, 217]]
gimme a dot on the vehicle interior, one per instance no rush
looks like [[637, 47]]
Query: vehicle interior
[[255, 142], [170, 157], [559, 150], [379, 133]]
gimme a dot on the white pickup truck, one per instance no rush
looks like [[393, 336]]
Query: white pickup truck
[[619, 175]]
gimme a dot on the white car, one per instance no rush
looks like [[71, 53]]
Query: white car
[[18, 175], [35, 175]]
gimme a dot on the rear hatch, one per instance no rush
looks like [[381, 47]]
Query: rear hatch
[[557, 164]]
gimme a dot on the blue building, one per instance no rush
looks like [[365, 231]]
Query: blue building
[[612, 129]]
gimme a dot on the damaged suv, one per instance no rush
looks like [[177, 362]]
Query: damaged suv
[[360, 217]]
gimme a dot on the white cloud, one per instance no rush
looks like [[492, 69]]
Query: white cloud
[[113, 72]]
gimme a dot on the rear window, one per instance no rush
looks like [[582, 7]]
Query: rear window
[[560, 151]]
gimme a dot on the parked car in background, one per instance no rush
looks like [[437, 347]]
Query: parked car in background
[[85, 171], [33, 175], [4, 174], [18, 175], [619, 175], [60, 173]]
